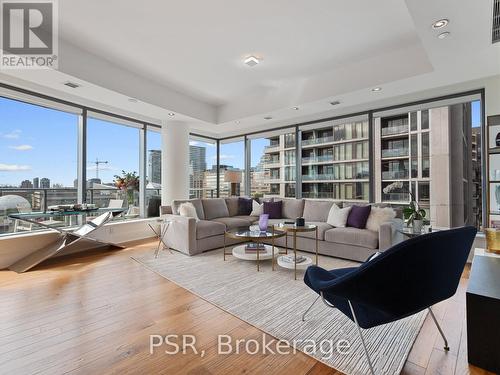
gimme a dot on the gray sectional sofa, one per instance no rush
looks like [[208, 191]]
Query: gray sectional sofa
[[187, 235]]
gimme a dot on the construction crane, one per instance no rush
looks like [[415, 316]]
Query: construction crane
[[98, 162]]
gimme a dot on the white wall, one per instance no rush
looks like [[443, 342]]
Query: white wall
[[16, 247]]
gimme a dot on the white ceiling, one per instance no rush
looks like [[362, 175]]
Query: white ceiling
[[186, 56]]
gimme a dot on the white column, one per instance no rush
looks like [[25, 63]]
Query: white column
[[174, 161]]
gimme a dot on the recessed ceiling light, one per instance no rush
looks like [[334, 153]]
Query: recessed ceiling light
[[251, 61], [440, 23], [268, 118], [335, 102], [73, 85], [133, 100], [444, 35], [237, 122], [375, 89], [171, 113], [295, 108]]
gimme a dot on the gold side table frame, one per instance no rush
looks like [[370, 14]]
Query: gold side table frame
[[294, 229]]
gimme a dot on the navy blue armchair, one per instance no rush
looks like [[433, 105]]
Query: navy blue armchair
[[403, 280]]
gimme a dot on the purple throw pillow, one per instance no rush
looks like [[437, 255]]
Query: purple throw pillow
[[244, 206], [273, 209], [358, 216]]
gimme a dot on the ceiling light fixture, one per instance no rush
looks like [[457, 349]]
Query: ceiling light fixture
[[171, 113], [251, 61], [268, 118], [295, 108], [376, 89], [440, 23], [444, 35], [237, 122], [335, 102]]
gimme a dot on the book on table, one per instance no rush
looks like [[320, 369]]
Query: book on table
[[291, 259], [254, 247]]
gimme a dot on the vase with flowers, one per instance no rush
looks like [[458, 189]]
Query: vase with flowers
[[128, 182], [413, 213]]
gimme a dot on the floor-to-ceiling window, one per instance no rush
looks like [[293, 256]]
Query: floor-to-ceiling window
[[203, 168], [232, 167], [112, 161], [153, 170], [38, 159]]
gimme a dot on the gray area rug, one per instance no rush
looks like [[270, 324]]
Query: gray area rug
[[274, 302]]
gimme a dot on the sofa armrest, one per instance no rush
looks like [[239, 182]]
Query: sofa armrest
[[388, 234], [181, 233]]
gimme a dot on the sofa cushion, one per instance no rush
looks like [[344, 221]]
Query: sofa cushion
[[257, 208], [358, 216], [273, 209], [244, 206], [353, 236], [322, 228], [248, 218], [206, 228], [187, 209], [337, 217], [378, 216], [232, 206], [214, 208], [292, 208], [232, 222], [196, 203], [317, 210]]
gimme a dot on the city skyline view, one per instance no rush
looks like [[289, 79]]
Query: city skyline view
[[40, 142]]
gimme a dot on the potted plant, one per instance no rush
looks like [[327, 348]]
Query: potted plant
[[413, 214], [129, 183]]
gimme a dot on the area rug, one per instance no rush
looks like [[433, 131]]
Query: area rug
[[274, 302]]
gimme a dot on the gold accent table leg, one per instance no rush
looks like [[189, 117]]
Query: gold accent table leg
[[258, 256], [286, 243], [316, 245], [295, 253], [224, 247], [272, 259]]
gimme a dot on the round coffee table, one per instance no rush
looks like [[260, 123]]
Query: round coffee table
[[256, 236], [292, 228]]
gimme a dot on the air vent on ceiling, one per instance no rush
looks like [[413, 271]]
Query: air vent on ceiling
[[496, 22], [73, 85]]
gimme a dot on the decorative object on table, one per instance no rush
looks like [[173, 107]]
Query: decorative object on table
[[129, 183], [234, 179], [263, 222], [273, 209], [413, 214], [358, 216], [300, 222], [492, 240]]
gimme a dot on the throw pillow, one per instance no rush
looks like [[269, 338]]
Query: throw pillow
[[273, 209], [257, 208], [244, 206], [358, 216], [337, 217], [187, 210], [379, 215]]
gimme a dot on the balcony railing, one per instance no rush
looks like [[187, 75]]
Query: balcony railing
[[317, 194], [395, 175], [396, 197], [317, 159], [317, 141], [39, 200], [271, 146], [321, 176], [395, 152], [393, 130]]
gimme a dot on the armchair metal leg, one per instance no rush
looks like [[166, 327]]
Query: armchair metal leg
[[362, 339], [309, 308], [446, 347]]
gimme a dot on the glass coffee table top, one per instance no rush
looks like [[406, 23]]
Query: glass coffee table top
[[254, 233], [295, 228]]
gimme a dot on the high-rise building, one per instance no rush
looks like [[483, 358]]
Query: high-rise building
[[26, 184], [36, 183], [154, 166], [44, 183], [197, 167]]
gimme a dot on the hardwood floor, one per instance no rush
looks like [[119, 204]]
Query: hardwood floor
[[94, 313]]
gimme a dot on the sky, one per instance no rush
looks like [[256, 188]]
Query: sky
[[41, 142]]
